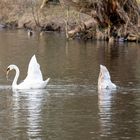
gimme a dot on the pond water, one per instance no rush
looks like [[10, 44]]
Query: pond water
[[71, 108]]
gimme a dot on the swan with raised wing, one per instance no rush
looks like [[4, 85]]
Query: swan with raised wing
[[34, 78], [104, 80]]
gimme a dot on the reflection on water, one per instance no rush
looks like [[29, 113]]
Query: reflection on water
[[105, 98], [28, 105], [118, 115], [70, 108]]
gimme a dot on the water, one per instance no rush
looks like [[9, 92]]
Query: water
[[71, 108]]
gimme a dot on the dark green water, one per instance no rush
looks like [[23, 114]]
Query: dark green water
[[71, 108]]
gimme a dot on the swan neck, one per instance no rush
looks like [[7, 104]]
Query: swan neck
[[16, 76]]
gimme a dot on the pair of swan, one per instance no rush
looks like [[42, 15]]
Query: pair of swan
[[34, 78]]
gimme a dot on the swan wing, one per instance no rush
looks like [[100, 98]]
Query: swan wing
[[105, 72], [34, 72], [47, 81]]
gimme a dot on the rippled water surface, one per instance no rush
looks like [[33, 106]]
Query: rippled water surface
[[71, 108]]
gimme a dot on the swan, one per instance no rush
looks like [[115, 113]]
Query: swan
[[33, 80], [104, 80]]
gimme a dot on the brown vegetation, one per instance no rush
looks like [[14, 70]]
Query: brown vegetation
[[32, 14], [101, 19], [114, 18]]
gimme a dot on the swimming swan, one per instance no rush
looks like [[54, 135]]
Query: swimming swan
[[33, 80], [104, 80]]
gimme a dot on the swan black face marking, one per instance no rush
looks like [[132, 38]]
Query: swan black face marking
[[7, 72], [8, 69]]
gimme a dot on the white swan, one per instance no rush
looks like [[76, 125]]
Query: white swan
[[104, 80], [33, 80]]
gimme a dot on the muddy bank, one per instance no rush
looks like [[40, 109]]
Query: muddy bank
[[50, 18]]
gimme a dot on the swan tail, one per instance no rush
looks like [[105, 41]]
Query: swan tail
[[47, 81]]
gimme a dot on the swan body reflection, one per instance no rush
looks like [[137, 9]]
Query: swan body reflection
[[105, 103]]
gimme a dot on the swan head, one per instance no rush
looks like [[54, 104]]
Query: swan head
[[9, 68]]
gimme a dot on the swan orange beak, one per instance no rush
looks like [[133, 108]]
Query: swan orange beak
[[8, 69]]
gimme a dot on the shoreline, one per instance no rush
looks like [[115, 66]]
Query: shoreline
[[56, 18]]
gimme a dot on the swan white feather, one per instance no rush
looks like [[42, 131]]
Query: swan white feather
[[34, 78], [104, 80], [34, 72]]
